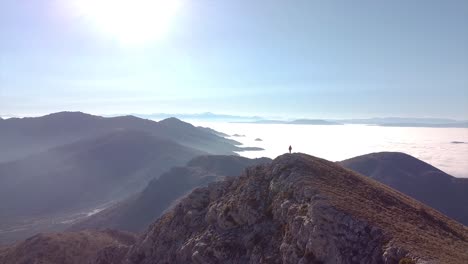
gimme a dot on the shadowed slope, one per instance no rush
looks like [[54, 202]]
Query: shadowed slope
[[416, 179], [20, 137], [136, 213], [83, 175]]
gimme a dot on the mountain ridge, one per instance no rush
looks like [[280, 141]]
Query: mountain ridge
[[20, 137], [300, 209], [296, 209]]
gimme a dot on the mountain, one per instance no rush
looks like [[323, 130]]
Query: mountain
[[210, 130], [136, 213], [407, 122], [20, 137], [297, 209], [81, 176], [417, 179], [195, 137], [300, 209], [67, 248], [297, 122], [401, 120], [440, 125], [212, 117], [312, 122]]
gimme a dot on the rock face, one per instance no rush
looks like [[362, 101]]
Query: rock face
[[417, 179], [300, 209]]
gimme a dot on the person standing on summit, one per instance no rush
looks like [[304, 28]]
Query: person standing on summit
[[290, 148]]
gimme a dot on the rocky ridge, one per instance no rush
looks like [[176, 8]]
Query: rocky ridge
[[300, 209]]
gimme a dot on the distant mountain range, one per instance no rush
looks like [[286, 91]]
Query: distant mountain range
[[391, 122], [380, 121], [60, 167], [442, 125], [296, 122], [20, 137], [201, 116], [295, 209], [407, 122], [400, 120]]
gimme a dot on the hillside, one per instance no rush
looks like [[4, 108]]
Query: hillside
[[300, 209], [67, 248], [417, 179], [136, 213], [20, 137], [82, 175]]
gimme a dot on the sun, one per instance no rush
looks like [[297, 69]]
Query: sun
[[130, 21]]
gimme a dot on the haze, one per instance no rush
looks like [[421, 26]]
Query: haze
[[333, 59]]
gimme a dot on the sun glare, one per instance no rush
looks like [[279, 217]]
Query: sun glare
[[130, 21]]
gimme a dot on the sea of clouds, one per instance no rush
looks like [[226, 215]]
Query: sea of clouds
[[444, 148]]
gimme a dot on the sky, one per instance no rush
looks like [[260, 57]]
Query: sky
[[302, 58]]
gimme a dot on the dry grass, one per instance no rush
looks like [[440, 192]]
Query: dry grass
[[411, 224]]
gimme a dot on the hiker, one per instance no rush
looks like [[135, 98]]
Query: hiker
[[290, 148]]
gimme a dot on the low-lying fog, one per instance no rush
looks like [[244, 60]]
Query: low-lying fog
[[444, 148]]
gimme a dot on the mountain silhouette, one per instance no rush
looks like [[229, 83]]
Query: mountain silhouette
[[20, 137]]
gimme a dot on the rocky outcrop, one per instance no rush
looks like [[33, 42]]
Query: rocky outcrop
[[300, 209]]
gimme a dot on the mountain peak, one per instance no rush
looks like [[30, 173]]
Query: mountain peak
[[71, 114], [171, 120], [301, 209], [175, 123], [398, 166]]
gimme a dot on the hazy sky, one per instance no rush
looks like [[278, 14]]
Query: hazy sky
[[300, 58]]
